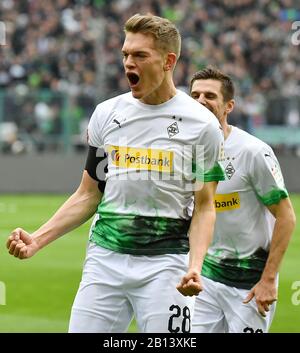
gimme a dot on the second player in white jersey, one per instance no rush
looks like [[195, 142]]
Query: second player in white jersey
[[255, 220], [244, 226]]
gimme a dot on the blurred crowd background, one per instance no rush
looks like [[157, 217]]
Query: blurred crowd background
[[62, 57]]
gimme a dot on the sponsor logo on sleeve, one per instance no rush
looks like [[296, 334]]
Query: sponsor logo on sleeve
[[275, 169]]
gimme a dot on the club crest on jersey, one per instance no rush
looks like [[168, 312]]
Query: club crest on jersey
[[229, 170], [173, 129]]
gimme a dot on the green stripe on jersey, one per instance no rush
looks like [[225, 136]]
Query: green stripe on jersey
[[273, 196], [240, 273], [216, 173], [140, 235]]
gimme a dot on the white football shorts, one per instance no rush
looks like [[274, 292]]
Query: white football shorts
[[115, 287], [219, 309]]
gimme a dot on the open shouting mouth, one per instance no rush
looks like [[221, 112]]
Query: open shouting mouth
[[133, 78]]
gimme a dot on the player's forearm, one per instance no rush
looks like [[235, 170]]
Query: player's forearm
[[74, 212], [200, 237], [282, 233]]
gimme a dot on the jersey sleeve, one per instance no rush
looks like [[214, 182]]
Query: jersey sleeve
[[206, 164], [267, 178], [94, 130]]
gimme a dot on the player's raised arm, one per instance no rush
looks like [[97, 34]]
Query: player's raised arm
[[74, 212]]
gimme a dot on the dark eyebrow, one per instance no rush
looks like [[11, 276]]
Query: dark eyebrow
[[205, 92]]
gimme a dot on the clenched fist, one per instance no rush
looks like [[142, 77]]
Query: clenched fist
[[20, 244]]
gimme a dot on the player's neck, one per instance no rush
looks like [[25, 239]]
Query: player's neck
[[226, 129], [164, 93]]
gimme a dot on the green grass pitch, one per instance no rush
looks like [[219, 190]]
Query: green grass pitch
[[39, 292]]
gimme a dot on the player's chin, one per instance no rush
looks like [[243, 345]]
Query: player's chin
[[136, 94]]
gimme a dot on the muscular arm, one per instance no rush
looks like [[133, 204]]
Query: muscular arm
[[284, 226], [200, 236], [265, 291], [74, 212]]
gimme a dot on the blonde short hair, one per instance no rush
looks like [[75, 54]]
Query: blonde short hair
[[164, 31]]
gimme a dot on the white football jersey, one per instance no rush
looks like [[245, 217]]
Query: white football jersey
[[244, 225], [155, 153]]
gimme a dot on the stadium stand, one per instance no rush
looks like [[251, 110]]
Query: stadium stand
[[63, 56]]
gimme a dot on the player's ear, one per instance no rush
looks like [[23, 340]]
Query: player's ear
[[170, 61], [230, 106]]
